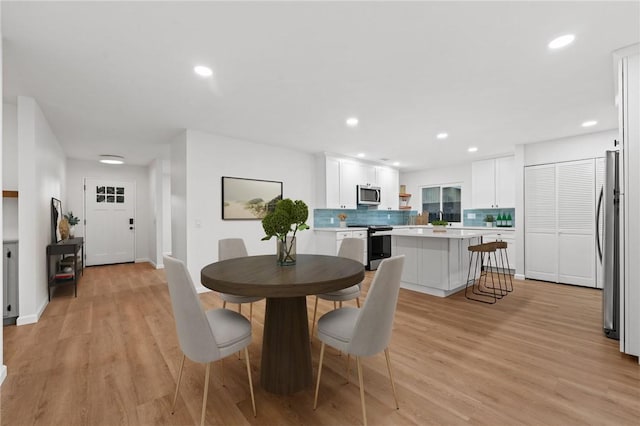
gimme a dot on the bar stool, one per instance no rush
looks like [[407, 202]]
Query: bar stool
[[501, 247], [479, 252]]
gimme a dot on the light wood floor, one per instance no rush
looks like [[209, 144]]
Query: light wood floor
[[111, 357]]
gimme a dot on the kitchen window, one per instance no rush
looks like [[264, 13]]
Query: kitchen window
[[445, 198]]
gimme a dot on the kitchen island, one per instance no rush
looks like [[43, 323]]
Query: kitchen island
[[436, 263]]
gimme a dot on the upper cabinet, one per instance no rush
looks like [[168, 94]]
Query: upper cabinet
[[388, 180], [492, 183], [337, 188]]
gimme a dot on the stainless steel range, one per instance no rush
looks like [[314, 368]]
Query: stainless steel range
[[378, 246]]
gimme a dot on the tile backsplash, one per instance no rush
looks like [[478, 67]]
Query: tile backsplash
[[469, 220], [322, 217]]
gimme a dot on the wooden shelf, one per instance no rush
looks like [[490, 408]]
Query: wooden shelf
[[405, 195], [10, 194], [405, 207]]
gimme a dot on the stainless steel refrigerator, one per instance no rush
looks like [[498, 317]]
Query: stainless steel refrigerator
[[608, 239]]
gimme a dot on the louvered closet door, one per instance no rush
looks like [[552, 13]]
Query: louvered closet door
[[541, 241], [576, 223]]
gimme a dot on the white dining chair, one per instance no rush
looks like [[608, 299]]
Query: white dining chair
[[351, 248], [204, 336], [366, 331], [231, 248]]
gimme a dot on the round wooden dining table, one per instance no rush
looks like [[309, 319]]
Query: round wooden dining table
[[286, 355]]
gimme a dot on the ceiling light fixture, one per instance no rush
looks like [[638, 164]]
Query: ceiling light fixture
[[442, 135], [352, 122], [111, 159], [203, 71], [396, 163], [361, 155], [561, 41], [589, 123], [473, 149]]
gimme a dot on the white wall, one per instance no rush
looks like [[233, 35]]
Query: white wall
[[179, 197], [208, 158], [41, 170], [160, 219], [3, 368], [78, 170], [10, 170], [454, 174], [581, 147]]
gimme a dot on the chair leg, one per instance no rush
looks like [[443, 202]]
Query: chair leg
[[240, 312], [358, 302], [253, 398], [224, 304], [206, 392], [335, 306], [222, 372], [313, 323], [175, 396], [250, 311], [340, 304], [364, 410], [393, 386], [315, 400]]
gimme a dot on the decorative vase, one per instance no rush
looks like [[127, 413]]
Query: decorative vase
[[63, 227], [286, 252], [343, 224], [489, 224], [72, 231]]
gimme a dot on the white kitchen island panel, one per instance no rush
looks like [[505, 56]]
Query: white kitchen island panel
[[436, 263]]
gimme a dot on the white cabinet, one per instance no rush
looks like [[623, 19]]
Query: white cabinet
[[560, 205], [388, 180], [509, 238], [329, 242], [338, 179], [492, 183]]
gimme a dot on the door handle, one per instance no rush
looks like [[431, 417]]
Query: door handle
[[598, 222], [131, 227]]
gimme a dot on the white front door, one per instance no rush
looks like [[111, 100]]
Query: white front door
[[110, 221]]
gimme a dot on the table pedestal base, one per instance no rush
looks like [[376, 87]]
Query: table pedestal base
[[286, 355]]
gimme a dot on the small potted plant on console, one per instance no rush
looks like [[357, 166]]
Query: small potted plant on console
[[343, 220]]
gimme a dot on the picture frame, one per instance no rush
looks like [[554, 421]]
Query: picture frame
[[249, 199], [56, 217]]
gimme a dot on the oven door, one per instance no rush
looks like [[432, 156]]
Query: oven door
[[378, 250]]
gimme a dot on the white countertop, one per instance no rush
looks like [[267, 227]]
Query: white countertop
[[338, 229], [451, 233]]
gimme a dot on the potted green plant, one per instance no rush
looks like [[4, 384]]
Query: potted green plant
[[489, 219], [439, 225], [73, 221], [288, 217]]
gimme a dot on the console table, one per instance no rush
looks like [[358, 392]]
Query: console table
[[72, 247]]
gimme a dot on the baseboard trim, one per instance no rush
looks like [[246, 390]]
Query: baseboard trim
[[34, 318], [3, 373], [142, 260], [519, 277]]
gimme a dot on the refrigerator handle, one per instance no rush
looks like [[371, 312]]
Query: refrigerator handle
[[598, 222]]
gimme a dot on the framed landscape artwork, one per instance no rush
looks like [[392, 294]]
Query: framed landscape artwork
[[249, 199]]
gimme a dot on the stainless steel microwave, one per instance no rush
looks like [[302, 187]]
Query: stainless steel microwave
[[369, 195]]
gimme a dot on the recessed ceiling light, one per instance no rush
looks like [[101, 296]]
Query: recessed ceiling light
[[352, 121], [203, 71], [442, 135], [111, 159], [589, 123], [561, 41], [473, 149], [361, 155], [396, 163]]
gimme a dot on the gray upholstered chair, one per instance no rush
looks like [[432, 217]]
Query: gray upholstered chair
[[366, 331], [230, 248], [351, 248], [204, 336]]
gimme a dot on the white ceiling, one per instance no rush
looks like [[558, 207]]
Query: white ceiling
[[118, 77]]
